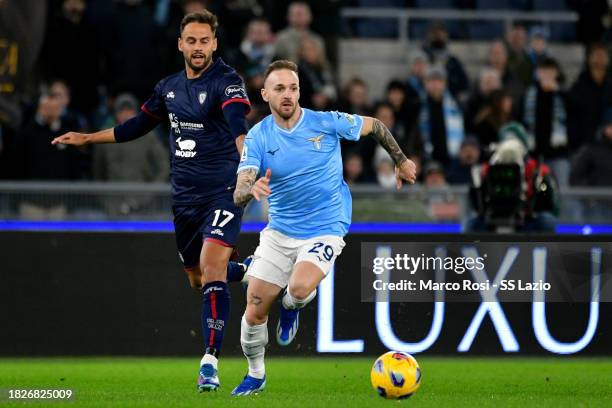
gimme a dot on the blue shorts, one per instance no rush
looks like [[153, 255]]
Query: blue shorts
[[218, 221]]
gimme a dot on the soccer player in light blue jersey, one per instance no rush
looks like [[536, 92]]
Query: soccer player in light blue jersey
[[298, 153]]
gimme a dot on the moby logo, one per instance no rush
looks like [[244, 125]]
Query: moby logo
[[185, 148]]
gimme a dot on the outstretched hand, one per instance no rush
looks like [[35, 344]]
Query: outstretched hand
[[71, 138], [406, 171], [261, 188]]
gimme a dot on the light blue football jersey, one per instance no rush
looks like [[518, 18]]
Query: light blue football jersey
[[309, 196]]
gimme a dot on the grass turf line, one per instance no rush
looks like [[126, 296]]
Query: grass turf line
[[314, 382]]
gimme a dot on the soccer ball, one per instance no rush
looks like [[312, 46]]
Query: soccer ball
[[395, 375]]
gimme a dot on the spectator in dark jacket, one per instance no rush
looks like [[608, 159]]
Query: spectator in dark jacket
[[469, 156], [488, 81], [256, 49], [40, 160], [544, 116], [592, 165], [133, 58], [60, 60], [588, 97], [498, 59], [395, 96], [317, 89], [492, 117], [436, 48], [415, 85], [22, 27], [440, 119], [355, 98], [518, 60]]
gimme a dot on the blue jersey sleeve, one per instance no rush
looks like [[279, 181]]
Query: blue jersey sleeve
[[347, 126], [251, 152], [232, 90], [155, 106]]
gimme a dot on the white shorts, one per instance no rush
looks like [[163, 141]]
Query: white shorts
[[277, 253]]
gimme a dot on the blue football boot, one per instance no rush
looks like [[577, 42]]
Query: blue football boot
[[208, 380], [250, 385], [288, 324]]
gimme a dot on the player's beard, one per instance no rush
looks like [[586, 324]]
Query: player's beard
[[198, 68], [286, 114]]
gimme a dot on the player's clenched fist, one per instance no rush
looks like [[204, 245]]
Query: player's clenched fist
[[405, 171], [71, 138], [261, 188]]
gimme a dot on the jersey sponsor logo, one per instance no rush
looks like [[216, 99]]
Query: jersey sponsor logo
[[177, 125], [170, 95], [316, 141], [202, 97], [185, 148], [273, 152], [192, 126], [235, 91], [217, 232]]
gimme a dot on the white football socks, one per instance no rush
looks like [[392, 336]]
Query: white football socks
[[253, 340], [290, 302], [209, 359]]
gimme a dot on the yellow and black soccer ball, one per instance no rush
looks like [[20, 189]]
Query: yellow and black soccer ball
[[396, 375]]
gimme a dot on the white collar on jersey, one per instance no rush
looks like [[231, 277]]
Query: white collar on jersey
[[297, 125]]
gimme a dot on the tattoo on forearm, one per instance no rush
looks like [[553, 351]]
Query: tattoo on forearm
[[384, 137], [255, 300], [246, 179]]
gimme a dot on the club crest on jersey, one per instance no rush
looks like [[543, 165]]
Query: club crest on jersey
[[170, 95], [202, 97], [185, 148], [316, 141]]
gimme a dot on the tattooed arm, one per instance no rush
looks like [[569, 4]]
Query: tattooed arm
[[247, 187], [405, 169], [376, 129]]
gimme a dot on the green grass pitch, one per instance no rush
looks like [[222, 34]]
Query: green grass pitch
[[314, 382]]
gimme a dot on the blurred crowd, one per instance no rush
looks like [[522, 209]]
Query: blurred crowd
[[92, 63]]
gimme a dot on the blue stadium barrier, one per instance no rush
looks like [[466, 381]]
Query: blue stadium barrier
[[356, 228]]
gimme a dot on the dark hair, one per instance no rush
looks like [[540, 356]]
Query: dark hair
[[280, 64], [396, 84], [547, 62], [202, 17], [496, 99]]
